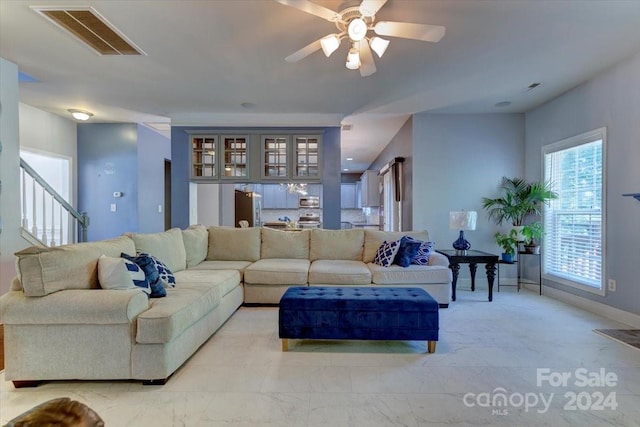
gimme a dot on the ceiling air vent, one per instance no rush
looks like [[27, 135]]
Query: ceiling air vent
[[91, 28], [347, 127]]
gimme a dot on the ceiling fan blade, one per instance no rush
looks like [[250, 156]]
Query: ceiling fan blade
[[304, 52], [371, 7], [424, 32], [367, 65], [313, 9]]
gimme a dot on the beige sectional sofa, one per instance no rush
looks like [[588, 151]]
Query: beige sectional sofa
[[60, 324]]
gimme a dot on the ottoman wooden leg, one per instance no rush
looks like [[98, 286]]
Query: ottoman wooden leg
[[285, 344], [431, 346]]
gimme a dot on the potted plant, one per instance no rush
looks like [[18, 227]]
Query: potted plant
[[520, 199], [508, 243], [531, 235]]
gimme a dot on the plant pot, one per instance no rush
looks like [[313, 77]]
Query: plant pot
[[532, 249], [507, 257]]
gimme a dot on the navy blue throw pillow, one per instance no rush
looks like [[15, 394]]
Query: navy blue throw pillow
[[151, 273], [408, 250]]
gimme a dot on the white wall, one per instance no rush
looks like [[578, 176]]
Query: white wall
[[611, 100], [45, 132], [10, 240], [208, 204]]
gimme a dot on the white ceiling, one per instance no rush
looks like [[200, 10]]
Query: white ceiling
[[205, 58]]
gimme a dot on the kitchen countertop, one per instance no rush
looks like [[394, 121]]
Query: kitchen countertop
[[363, 224]]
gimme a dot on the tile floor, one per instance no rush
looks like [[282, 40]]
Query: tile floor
[[486, 350]]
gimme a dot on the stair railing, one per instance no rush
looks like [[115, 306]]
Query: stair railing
[[46, 216]]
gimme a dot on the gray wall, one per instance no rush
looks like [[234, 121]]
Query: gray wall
[[153, 150], [10, 240], [610, 100], [108, 162], [123, 157], [462, 158], [401, 146]]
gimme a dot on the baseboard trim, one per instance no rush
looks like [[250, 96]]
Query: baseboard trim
[[604, 310]]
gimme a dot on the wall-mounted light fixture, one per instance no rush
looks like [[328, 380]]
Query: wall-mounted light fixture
[[80, 114]]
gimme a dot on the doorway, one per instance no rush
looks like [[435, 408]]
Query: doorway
[[167, 194]]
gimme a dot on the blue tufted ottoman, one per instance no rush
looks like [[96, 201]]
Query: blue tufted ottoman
[[361, 313]]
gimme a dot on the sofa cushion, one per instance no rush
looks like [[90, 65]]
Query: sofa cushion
[[196, 294], [386, 253], [225, 280], [339, 272], [337, 244], [278, 271], [234, 244], [196, 243], [46, 270], [169, 317], [413, 274], [374, 238], [284, 244], [119, 273], [167, 246], [240, 266]]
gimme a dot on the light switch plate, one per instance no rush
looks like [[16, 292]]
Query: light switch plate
[[114, 207]]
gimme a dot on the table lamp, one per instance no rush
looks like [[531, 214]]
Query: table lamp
[[462, 220]]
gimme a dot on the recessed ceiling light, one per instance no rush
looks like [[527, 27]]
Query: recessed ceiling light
[[345, 169], [349, 158], [503, 104]]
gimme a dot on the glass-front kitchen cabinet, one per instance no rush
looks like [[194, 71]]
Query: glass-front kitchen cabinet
[[203, 157], [220, 157], [256, 157], [286, 157]]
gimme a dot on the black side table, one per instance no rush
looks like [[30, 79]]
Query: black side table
[[472, 258]]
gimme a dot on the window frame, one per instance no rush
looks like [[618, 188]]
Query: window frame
[[572, 142]]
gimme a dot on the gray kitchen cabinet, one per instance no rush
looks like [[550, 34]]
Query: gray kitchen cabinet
[[348, 196], [370, 188]]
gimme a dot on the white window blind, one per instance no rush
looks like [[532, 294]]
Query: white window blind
[[573, 249]]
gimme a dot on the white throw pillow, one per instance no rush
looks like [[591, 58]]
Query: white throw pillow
[[119, 273]]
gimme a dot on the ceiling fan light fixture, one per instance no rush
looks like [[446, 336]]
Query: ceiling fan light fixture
[[357, 29], [353, 59], [378, 45], [329, 44], [80, 114]]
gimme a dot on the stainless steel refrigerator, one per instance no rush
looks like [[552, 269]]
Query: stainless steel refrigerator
[[248, 207]]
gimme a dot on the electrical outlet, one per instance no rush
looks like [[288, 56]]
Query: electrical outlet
[[611, 285]]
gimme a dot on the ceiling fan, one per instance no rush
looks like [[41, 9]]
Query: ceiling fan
[[353, 24]]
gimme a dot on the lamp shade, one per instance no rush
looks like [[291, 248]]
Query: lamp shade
[[463, 220], [379, 45], [353, 59], [329, 44]]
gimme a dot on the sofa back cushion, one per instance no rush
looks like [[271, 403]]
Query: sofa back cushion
[[167, 246], [284, 244], [46, 270], [234, 244], [374, 238], [336, 244], [196, 243]]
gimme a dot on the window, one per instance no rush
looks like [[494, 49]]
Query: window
[[573, 250]]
